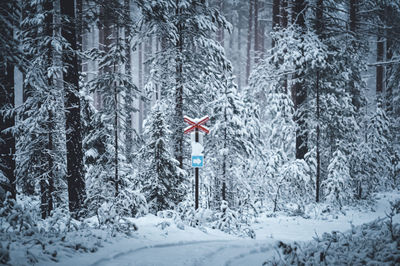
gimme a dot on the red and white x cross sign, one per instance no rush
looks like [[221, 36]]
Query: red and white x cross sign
[[196, 123]]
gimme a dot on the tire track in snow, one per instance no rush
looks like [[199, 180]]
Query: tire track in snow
[[147, 247]]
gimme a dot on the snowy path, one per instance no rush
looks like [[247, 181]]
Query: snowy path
[[217, 252], [175, 247]]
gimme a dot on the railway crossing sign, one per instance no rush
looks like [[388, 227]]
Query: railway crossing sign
[[196, 124], [197, 148]]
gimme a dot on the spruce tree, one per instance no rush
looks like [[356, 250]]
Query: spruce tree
[[161, 177], [336, 186]]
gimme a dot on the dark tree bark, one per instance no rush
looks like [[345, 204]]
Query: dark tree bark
[[248, 62], [284, 23], [275, 17], [318, 178], [47, 180], [128, 101], [256, 33], [75, 176], [7, 140], [299, 90], [224, 171], [379, 69], [140, 83], [284, 14], [319, 18], [178, 134], [353, 16], [261, 32], [389, 71], [353, 26], [239, 48], [319, 27], [27, 183]]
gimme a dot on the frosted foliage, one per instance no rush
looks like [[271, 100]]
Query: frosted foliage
[[336, 186], [374, 243], [297, 186], [162, 179]]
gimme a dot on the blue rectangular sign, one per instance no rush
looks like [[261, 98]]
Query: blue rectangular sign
[[197, 160]]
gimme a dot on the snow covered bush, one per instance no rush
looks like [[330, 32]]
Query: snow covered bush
[[229, 222], [296, 185], [226, 219], [336, 186]]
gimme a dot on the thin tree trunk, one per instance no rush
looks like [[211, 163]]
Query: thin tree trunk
[[256, 33], [379, 69], [224, 172], [319, 27], [239, 48], [248, 62], [284, 23], [140, 83], [117, 180], [389, 71], [178, 134], [75, 176], [317, 181]]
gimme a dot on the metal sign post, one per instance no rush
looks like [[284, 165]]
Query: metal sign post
[[197, 149]]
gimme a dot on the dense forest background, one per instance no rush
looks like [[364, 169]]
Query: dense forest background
[[303, 96]]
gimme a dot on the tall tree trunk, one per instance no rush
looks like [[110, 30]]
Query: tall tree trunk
[[248, 62], [284, 24], [319, 27], [353, 16], [128, 101], [284, 14], [224, 162], [389, 71], [178, 134], [379, 69], [299, 89], [148, 51], [140, 84], [7, 140], [75, 176], [47, 180], [319, 18], [275, 17], [239, 50], [318, 178], [28, 183], [256, 33], [353, 25]]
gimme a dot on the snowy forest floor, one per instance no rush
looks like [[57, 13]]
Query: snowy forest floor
[[160, 241]]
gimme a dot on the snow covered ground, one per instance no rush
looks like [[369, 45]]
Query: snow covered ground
[[154, 245]]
